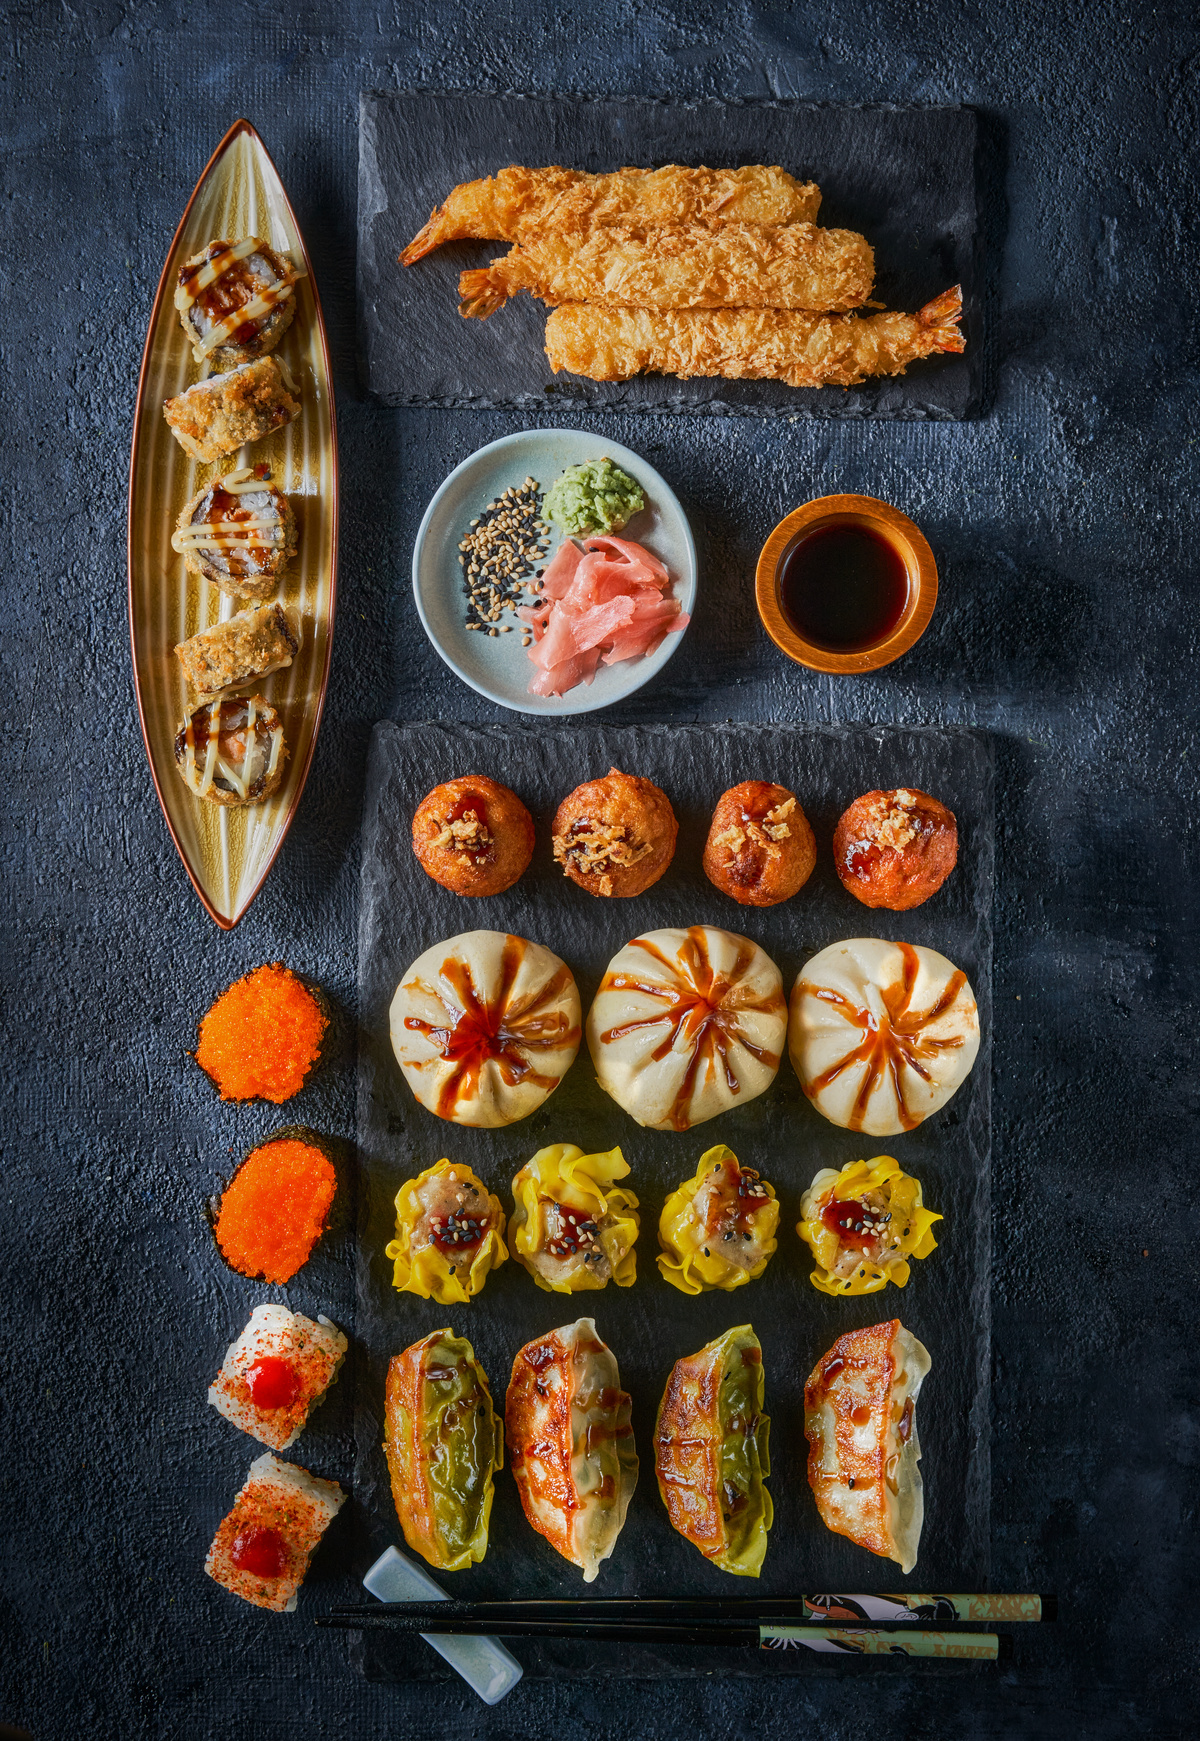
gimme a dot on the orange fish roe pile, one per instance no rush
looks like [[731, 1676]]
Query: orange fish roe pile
[[274, 1209], [262, 1037]]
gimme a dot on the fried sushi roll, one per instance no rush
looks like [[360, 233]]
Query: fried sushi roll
[[717, 1230], [570, 1443], [860, 1422], [518, 201], [449, 1235], [573, 1227], [232, 751], [217, 416], [238, 531], [742, 266], [235, 301], [710, 1452], [234, 654], [443, 1444], [862, 1225], [805, 350]]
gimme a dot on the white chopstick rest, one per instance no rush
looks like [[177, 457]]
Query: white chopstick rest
[[486, 1666]]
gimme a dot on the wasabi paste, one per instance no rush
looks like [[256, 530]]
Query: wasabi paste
[[593, 497]]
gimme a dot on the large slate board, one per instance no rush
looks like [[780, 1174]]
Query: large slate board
[[651, 1324], [904, 177]]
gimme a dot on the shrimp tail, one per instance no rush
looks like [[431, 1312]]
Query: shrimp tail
[[427, 238], [943, 315], [482, 292]]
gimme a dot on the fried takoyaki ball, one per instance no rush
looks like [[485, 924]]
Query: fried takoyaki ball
[[615, 836], [895, 849], [760, 848], [473, 836]]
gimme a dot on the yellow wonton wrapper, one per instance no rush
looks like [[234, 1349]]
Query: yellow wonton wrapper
[[564, 1174], [683, 1260], [422, 1267], [910, 1219]]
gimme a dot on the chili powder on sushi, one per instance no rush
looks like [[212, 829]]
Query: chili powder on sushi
[[262, 1037], [275, 1207]]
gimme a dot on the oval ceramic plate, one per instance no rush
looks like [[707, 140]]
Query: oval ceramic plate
[[499, 666], [228, 852]]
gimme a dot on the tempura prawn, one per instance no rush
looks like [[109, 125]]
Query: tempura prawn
[[518, 201], [681, 266], [805, 350]]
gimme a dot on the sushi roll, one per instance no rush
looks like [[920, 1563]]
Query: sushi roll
[[262, 1548], [232, 751], [239, 532], [235, 300], [277, 1371], [217, 416], [234, 654]]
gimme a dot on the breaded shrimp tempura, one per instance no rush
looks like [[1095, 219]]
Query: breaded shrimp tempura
[[805, 350], [681, 266], [516, 201]]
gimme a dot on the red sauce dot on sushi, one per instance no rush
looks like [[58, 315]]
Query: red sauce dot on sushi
[[261, 1552], [273, 1383]]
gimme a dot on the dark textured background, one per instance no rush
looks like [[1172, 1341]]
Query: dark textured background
[[1066, 537]]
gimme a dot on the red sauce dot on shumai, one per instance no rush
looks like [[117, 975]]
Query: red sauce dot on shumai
[[274, 1209], [262, 1037]]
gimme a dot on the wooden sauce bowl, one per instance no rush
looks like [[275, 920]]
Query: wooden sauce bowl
[[884, 521]]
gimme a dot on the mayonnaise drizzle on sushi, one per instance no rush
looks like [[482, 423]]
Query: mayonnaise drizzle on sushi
[[194, 282], [220, 534], [252, 773]]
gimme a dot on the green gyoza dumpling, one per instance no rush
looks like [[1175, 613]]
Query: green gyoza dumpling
[[710, 1452], [443, 1445]]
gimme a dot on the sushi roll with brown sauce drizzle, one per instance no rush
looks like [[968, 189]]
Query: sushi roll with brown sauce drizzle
[[236, 301], [232, 751], [239, 532]]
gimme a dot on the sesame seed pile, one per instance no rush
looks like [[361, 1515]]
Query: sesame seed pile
[[501, 557]]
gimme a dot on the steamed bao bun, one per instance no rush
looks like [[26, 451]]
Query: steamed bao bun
[[485, 1026], [686, 1025], [881, 1034]]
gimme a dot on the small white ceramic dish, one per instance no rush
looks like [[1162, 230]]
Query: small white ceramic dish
[[499, 666]]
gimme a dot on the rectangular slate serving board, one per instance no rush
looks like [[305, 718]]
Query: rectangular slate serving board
[[903, 176], [651, 1324]]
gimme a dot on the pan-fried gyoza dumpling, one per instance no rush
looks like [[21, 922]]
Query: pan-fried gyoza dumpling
[[443, 1445], [710, 1452], [881, 1034], [687, 1024], [485, 1026], [860, 1423], [570, 1442]]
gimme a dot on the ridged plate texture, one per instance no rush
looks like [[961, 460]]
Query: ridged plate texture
[[227, 852]]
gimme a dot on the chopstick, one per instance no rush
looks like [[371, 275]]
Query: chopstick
[[816, 1610], [979, 1646]]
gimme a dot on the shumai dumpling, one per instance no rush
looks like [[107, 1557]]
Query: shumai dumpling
[[717, 1230], [881, 1034], [710, 1452], [687, 1024], [860, 1423], [570, 1442], [572, 1226], [863, 1224], [443, 1443], [449, 1235], [485, 1026]]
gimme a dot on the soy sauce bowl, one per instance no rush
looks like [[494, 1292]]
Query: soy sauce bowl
[[886, 523]]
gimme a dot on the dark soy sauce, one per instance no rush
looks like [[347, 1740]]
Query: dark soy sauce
[[843, 587]]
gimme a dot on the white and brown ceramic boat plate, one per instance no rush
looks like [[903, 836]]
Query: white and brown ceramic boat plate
[[228, 852]]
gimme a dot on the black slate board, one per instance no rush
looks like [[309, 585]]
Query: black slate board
[[903, 176], [649, 1325]]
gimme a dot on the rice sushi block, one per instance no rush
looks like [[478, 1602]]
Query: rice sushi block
[[262, 1549], [277, 1371]]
